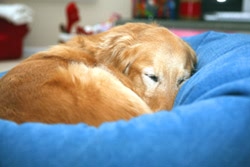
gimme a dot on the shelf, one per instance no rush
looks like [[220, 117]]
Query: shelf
[[197, 25]]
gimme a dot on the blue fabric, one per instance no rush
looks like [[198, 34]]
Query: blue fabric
[[2, 74], [208, 127]]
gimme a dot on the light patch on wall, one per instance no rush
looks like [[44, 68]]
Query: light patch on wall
[[221, 1]]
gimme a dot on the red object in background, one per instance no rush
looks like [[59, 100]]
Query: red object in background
[[11, 39], [72, 15], [190, 9]]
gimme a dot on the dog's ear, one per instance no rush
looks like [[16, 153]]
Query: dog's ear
[[114, 49]]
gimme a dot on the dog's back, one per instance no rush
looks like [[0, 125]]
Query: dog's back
[[56, 87]]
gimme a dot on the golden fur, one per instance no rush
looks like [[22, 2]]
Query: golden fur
[[127, 71]]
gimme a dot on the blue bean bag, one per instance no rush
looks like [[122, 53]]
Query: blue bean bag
[[209, 125]]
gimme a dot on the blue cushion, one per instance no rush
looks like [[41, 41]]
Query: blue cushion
[[2, 73], [208, 126]]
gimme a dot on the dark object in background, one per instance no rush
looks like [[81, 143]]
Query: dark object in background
[[209, 6], [164, 9], [225, 10], [11, 39]]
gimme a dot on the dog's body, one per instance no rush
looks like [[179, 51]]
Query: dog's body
[[119, 74], [53, 89]]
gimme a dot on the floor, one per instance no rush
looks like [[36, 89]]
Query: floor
[[6, 65]]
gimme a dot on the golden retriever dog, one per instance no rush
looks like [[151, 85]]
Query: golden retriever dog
[[130, 70]]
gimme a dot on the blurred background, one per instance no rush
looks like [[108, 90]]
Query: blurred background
[[28, 26], [49, 14]]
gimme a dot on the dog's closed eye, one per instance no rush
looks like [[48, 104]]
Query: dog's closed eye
[[150, 78], [181, 81], [153, 77]]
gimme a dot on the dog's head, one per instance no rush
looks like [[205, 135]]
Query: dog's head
[[160, 68], [154, 59]]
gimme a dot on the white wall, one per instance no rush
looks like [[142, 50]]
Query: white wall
[[246, 5], [48, 14]]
